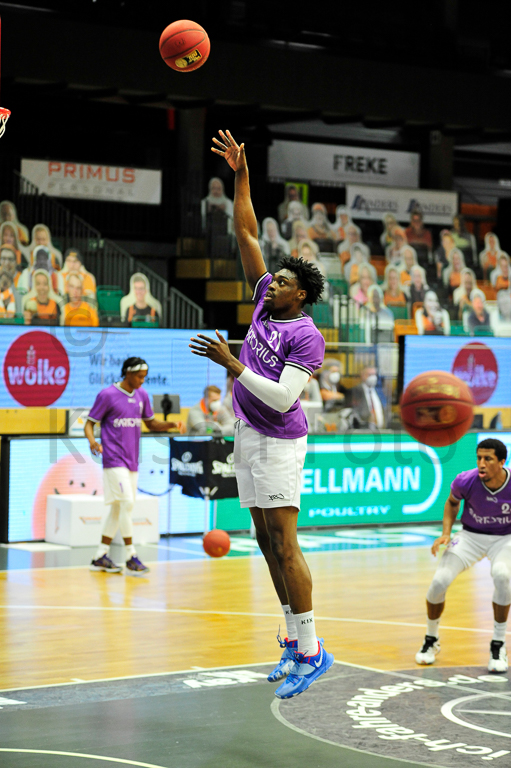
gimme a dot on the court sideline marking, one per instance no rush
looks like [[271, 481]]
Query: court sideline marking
[[129, 609], [79, 754]]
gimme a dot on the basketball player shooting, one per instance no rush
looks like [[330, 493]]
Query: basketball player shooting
[[280, 352], [486, 520]]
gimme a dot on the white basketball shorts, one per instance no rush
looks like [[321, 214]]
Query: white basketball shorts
[[119, 484], [471, 547], [268, 469]]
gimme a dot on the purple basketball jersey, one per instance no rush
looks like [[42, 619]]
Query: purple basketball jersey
[[121, 414], [484, 511], [270, 345]]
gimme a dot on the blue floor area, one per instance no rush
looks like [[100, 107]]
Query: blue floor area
[[30, 555]]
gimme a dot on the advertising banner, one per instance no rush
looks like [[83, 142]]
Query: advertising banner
[[484, 366], [204, 468], [332, 164], [67, 367], [94, 182], [373, 203]]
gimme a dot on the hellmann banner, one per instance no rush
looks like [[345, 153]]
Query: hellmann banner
[[89, 181], [369, 202], [336, 165], [371, 480]]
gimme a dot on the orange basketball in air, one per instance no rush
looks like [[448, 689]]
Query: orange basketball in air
[[184, 45], [216, 543], [437, 408]]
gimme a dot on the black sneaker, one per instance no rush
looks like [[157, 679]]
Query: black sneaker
[[429, 650], [498, 657]]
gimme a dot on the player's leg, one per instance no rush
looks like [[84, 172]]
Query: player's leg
[[449, 567], [501, 574], [134, 566], [290, 642], [311, 659], [102, 560]]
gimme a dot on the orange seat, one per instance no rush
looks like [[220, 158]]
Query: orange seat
[[405, 328], [379, 264], [487, 288]]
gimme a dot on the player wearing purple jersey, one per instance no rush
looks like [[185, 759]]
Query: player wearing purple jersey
[[280, 352], [486, 521], [121, 409]]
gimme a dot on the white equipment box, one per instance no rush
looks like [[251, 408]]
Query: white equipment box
[[76, 520]]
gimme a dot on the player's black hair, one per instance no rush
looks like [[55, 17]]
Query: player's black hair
[[492, 444], [130, 362], [308, 276]]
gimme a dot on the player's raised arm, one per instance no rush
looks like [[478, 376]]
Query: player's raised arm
[[245, 222]]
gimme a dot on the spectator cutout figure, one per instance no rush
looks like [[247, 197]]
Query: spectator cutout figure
[[292, 194], [7, 297], [78, 312], [417, 234], [360, 291], [503, 316], [444, 251], [8, 261], [8, 236], [463, 239], [418, 287], [386, 239], [41, 306], [8, 213], [42, 259], [408, 261], [209, 416], [500, 275], [299, 233], [295, 212], [273, 245], [139, 302], [461, 294], [379, 317], [393, 293], [489, 256], [73, 265], [432, 319], [319, 226], [41, 236], [353, 235], [216, 203], [342, 221], [359, 254], [393, 251], [451, 275], [478, 316]]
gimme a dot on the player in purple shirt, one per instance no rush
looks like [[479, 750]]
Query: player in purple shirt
[[280, 352], [486, 520], [120, 409]]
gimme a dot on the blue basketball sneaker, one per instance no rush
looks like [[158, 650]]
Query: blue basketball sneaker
[[287, 659], [306, 670]]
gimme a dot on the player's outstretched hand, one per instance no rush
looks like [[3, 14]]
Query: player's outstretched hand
[[96, 448], [216, 350], [441, 541], [228, 148]]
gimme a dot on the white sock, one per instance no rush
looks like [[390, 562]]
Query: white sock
[[290, 622], [129, 551], [306, 630], [103, 549], [499, 631], [432, 627]]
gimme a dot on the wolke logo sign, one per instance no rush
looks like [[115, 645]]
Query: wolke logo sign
[[36, 369]]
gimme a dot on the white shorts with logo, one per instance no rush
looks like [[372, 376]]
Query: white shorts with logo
[[471, 547], [119, 484], [268, 469]]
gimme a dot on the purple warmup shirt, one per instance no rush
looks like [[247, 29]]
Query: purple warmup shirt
[[121, 415], [484, 511], [270, 345]]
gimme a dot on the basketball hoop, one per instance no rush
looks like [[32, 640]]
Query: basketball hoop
[[4, 116]]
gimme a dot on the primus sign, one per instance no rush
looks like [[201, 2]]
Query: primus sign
[[374, 481], [366, 202]]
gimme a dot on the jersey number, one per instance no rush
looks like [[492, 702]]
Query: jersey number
[[274, 341]]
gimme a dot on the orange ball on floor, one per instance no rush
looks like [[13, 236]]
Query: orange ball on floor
[[216, 543]]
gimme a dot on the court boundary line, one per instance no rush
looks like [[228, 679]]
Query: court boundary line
[[200, 612], [80, 754]]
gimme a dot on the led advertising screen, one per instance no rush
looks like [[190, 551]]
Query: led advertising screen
[[484, 364], [67, 367], [63, 465]]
